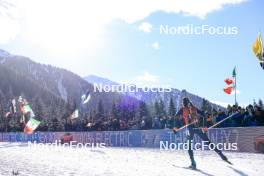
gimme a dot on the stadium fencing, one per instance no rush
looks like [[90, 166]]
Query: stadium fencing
[[248, 139]]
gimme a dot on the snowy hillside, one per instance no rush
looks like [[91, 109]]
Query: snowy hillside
[[3, 55], [18, 158], [66, 86], [96, 79]]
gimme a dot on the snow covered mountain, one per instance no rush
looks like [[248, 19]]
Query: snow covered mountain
[[96, 79], [151, 97], [55, 92], [3, 55], [20, 75]]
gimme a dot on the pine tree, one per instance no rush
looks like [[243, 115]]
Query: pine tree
[[143, 110], [2, 103], [205, 105], [39, 108], [10, 94], [162, 108], [172, 109], [260, 103], [114, 110], [229, 107], [100, 109], [157, 108], [132, 112]]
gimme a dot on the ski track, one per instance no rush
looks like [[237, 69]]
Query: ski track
[[54, 161]]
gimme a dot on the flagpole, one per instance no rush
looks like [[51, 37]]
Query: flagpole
[[235, 89], [235, 86]]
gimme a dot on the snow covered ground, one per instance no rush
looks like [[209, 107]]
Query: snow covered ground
[[54, 161]]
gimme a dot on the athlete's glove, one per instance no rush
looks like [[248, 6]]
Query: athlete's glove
[[175, 130], [205, 130]]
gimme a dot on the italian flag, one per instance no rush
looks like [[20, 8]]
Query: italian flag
[[228, 90], [31, 125], [229, 81], [25, 109]]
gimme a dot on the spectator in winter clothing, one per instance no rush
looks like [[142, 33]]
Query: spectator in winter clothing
[[259, 115]]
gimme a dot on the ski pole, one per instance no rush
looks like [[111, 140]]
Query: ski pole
[[222, 120], [185, 126]]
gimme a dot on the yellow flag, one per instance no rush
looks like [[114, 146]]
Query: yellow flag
[[258, 48]]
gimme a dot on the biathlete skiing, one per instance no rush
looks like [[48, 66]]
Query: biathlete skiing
[[189, 115]]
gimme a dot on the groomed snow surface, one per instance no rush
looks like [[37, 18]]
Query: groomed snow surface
[[19, 159]]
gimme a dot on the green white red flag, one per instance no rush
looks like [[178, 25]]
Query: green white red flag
[[25, 109], [231, 83], [228, 90], [31, 125]]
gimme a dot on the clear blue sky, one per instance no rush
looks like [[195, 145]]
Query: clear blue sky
[[198, 64]]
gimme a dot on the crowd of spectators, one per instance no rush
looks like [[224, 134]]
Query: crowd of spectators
[[252, 115], [241, 117]]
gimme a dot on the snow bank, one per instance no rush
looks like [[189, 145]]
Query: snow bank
[[121, 162]]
